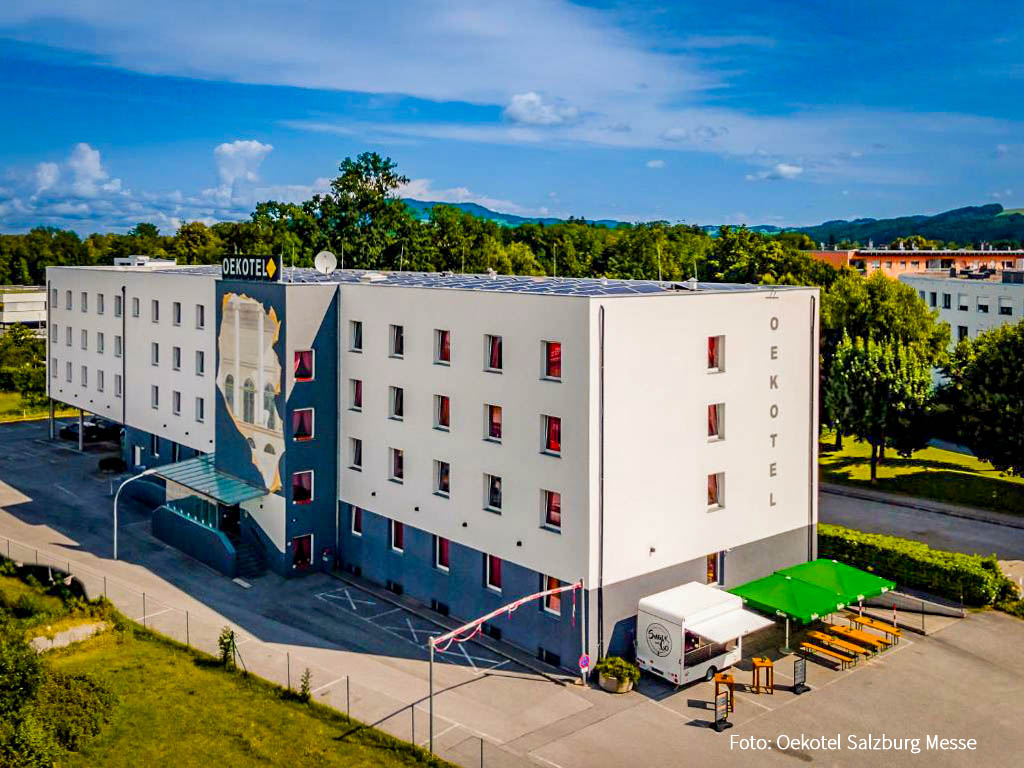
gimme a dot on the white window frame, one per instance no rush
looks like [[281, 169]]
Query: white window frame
[[154, 310], [176, 313], [437, 554], [721, 492], [68, 300], [544, 360], [101, 342], [154, 397], [118, 345], [720, 345], [100, 383], [100, 304], [154, 353], [352, 442], [352, 406], [438, 464], [200, 410], [487, 573], [200, 316], [175, 358], [391, 466], [85, 376], [487, 493], [352, 516], [353, 325], [720, 407], [136, 306], [544, 494], [85, 301], [312, 431], [312, 486], [487, 353], [69, 371], [437, 413], [118, 385], [437, 346], [176, 402], [544, 601], [487, 423], [85, 339], [118, 305], [68, 336], [394, 330], [392, 529], [393, 393], [200, 363]]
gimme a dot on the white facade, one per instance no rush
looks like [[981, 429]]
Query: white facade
[[969, 306], [122, 364], [27, 307]]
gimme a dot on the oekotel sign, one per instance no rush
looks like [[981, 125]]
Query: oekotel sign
[[262, 268]]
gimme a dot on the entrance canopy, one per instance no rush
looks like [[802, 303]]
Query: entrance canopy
[[851, 584], [789, 596], [201, 476]]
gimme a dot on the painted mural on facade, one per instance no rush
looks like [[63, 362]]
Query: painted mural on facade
[[249, 378]]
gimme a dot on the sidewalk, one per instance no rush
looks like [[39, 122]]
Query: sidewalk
[[926, 505]]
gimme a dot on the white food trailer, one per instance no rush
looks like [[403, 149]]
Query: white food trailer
[[692, 631]]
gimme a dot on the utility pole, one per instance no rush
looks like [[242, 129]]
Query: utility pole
[[659, 262]]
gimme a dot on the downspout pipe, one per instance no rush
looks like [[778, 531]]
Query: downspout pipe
[[600, 484]]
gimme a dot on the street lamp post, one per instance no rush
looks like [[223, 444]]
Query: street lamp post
[[118, 494]]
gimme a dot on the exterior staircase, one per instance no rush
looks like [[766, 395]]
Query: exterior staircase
[[250, 559]]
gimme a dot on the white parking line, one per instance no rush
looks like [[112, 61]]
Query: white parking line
[[151, 615], [439, 735], [326, 685], [385, 613]]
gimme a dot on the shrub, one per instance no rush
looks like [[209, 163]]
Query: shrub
[[20, 671], [304, 683], [26, 743], [72, 707], [26, 606], [619, 668], [226, 644], [977, 580]]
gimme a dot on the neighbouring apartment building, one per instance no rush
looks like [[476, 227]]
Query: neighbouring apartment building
[[462, 439], [896, 263]]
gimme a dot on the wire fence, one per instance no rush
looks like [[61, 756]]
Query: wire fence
[[331, 682]]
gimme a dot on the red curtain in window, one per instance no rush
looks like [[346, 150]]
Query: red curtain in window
[[554, 360], [302, 424], [712, 421], [443, 411], [494, 360], [553, 602], [444, 352], [554, 509], [304, 365], [553, 441], [357, 520], [712, 351], [494, 430], [493, 571], [397, 535], [302, 551], [443, 547], [712, 490], [302, 487], [357, 393]]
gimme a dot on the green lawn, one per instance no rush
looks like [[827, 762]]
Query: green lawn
[[12, 407], [176, 708], [932, 473]]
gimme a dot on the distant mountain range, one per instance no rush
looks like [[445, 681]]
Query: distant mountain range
[[974, 224]]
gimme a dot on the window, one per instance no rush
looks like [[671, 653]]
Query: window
[[921, 294], [357, 521], [492, 493], [442, 412], [53, 333], [442, 478], [85, 376], [101, 342], [176, 403], [716, 497], [175, 452], [118, 349], [135, 306], [492, 423], [983, 304], [229, 390], [269, 405], [396, 341], [53, 367], [99, 304], [117, 385], [442, 347], [302, 424], [933, 299], [85, 339], [176, 313], [396, 465], [552, 426], [249, 402], [1005, 306], [200, 363], [711, 569], [302, 487], [154, 396], [716, 354], [716, 419], [67, 300], [53, 298], [397, 536], [154, 310], [200, 410], [200, 316], [176, 358], [67, 335], [118, 305], [552, 510], [553, 360], [492, 573], [154, 446], [396, 403], [947, 301], [355, 394], [961, 302], [355, 453], [552, 603], [304, 365], [154, 353], [961, 332], [355, 335], [85, 301], [442, 553], [68, 368], [137, 455], [100, 383], [492, 350]]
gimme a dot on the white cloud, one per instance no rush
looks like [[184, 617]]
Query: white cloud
[[655, 163], [531, 109], [1002, 193], [727, 41], [46, 175], [240, 160], [776, 172], [88, 177]]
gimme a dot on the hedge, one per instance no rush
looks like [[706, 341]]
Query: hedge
[[977, 580]]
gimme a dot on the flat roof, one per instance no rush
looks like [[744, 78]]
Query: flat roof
[[554, 286], [199, 474]]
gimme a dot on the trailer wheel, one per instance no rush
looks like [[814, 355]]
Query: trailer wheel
[[710, 674]]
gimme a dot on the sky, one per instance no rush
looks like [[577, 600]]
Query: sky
[[777, 112]]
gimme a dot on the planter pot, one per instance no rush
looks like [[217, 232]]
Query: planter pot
[[613, 684]]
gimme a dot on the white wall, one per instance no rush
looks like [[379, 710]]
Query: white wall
[[972, 319], [523, 322], [146, 283], [657, 455]]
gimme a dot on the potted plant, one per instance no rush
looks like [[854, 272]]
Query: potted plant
[[616, 675]]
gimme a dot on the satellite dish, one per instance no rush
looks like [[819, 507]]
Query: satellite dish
[[325, 262]]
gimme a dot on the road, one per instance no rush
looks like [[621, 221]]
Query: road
[[936, 530]]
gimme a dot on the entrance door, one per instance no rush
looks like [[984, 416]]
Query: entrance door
[[229, 520], [302, 551]]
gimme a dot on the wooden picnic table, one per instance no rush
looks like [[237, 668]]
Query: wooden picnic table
[[841, 644], [763, 662], [889, 630], [859, 636]]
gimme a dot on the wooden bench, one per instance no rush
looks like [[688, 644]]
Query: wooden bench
[[842, 645], [891, 633], [857, 636], [835, 655]]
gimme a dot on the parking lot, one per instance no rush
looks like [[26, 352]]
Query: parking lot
[[367, 652]]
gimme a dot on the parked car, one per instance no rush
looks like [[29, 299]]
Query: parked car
[[94, 430]]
